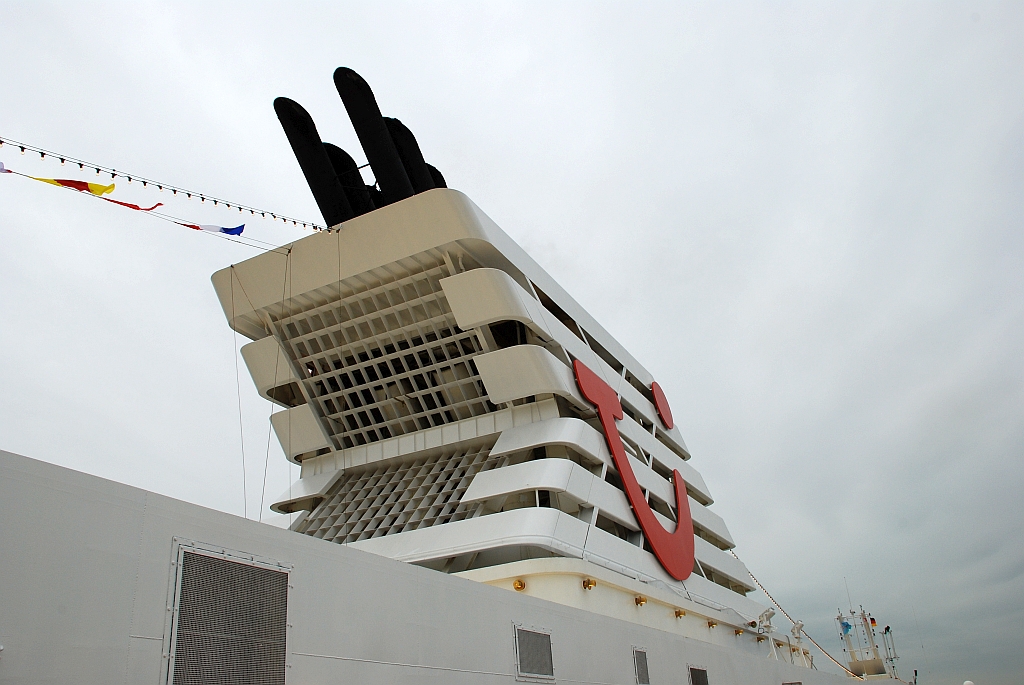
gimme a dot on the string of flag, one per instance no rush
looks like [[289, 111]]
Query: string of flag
[[146, 182], [97, 191]]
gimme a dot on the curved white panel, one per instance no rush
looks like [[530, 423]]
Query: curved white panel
[[667, 457], [541, 474], [299, 431], [566, 477], [304, 489], [554, 475], [484, 296], [525, 370], [589, 442], [548, 529], [268, 364], [723, 562], [565, 431]]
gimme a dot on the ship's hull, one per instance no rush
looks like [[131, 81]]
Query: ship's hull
[[91, 592]]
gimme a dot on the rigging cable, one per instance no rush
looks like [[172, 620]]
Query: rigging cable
[[203, 197], [784, 613], [238, 390], [277, 362]]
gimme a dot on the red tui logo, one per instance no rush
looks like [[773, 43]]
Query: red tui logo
[[673, 550]]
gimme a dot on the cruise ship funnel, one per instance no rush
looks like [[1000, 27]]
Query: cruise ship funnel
[[409, 152], [314, 161], [373, 134], [351, 180], [436, 175]]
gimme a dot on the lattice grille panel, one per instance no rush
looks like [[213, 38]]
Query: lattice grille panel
[[231, 623], [386, 360], [399, 497]]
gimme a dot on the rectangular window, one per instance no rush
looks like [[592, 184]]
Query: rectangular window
[[698, 676], [643, 677]]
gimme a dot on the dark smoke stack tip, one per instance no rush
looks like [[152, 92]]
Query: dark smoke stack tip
[[350, 178], [313, 160], [373, 135]]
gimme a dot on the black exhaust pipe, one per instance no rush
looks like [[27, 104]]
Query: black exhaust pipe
[[351, 180], [409, 152], [436, 175], [314, 161], [373, 135]]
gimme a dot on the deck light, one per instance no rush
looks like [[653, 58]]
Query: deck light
[[640, 600], [518, 585], [589, 583]]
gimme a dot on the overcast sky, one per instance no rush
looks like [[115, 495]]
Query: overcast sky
[[804, 219]]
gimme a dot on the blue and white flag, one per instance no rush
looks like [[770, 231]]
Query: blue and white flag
[[237, 230]]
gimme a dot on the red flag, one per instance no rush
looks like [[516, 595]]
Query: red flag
[[131, 206]]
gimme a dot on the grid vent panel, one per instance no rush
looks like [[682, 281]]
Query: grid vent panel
[[397, 497], [382, 356], [231, 623], [533, 651]]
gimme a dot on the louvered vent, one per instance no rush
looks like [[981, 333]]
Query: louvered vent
[[382, 355], [399, 497], [533, 654], [643, 677], [231, 623]]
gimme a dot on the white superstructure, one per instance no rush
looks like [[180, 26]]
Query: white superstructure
[[424, 365]]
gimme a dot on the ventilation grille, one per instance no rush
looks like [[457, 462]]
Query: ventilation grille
[[643, 677], [399, 497], [387, 360], [533, 652], [231, 623], [698, 676]]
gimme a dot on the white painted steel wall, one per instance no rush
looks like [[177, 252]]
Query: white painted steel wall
[[86, 567]]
